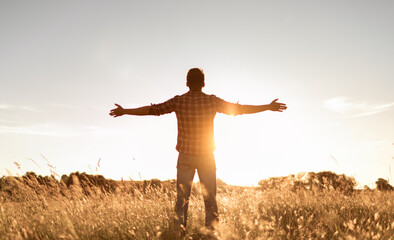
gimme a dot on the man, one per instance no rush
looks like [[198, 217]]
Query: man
[[195, 112]]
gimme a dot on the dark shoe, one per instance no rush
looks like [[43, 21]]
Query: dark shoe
[[180, 232]]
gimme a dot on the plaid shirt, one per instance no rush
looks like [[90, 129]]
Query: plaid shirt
[[195, 112]]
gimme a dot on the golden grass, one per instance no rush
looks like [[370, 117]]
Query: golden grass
[[245, 213]]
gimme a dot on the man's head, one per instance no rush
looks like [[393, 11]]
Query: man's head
[[195, 79]]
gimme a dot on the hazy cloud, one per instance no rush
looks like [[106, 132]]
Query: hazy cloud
[[64, 105], [37, 130], [350, 108], [16, 107], [59, 130]]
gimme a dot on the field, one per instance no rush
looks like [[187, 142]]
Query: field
[[147, 213]]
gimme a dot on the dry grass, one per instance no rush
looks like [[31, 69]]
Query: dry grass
[[245, 213]]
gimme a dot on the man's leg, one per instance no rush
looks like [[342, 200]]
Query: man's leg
[[207, 175], [185, 175]]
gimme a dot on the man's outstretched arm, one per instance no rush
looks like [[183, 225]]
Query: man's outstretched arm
[[119, 111], [237, 109], [273, 106]]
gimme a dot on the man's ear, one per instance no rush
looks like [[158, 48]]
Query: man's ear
[[187, 84], [203, 84]]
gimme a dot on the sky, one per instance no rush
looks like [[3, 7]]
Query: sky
[[63, 65]]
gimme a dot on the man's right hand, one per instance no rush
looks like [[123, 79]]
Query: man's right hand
[[117, 112], [275, 106]]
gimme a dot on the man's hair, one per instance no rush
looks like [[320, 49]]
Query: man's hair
[[195, 79]]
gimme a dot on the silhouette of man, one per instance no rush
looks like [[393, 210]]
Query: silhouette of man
[[195, 112]]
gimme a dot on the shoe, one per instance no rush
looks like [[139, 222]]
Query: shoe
[[180, 232]]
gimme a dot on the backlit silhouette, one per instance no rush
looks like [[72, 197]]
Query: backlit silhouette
[[195, 112]]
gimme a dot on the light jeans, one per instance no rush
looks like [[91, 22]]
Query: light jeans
[[206, 169]]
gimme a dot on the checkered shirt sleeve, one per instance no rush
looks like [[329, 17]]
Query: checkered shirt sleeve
[[227, 107], [168, 106]]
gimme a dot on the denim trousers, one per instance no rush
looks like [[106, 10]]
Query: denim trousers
[[206, 169]]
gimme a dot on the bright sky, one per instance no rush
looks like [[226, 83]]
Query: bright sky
[[63, 64]]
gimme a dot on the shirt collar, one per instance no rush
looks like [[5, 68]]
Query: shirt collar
[[194, 92]]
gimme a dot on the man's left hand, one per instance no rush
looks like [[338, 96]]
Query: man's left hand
[[116, 112]]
